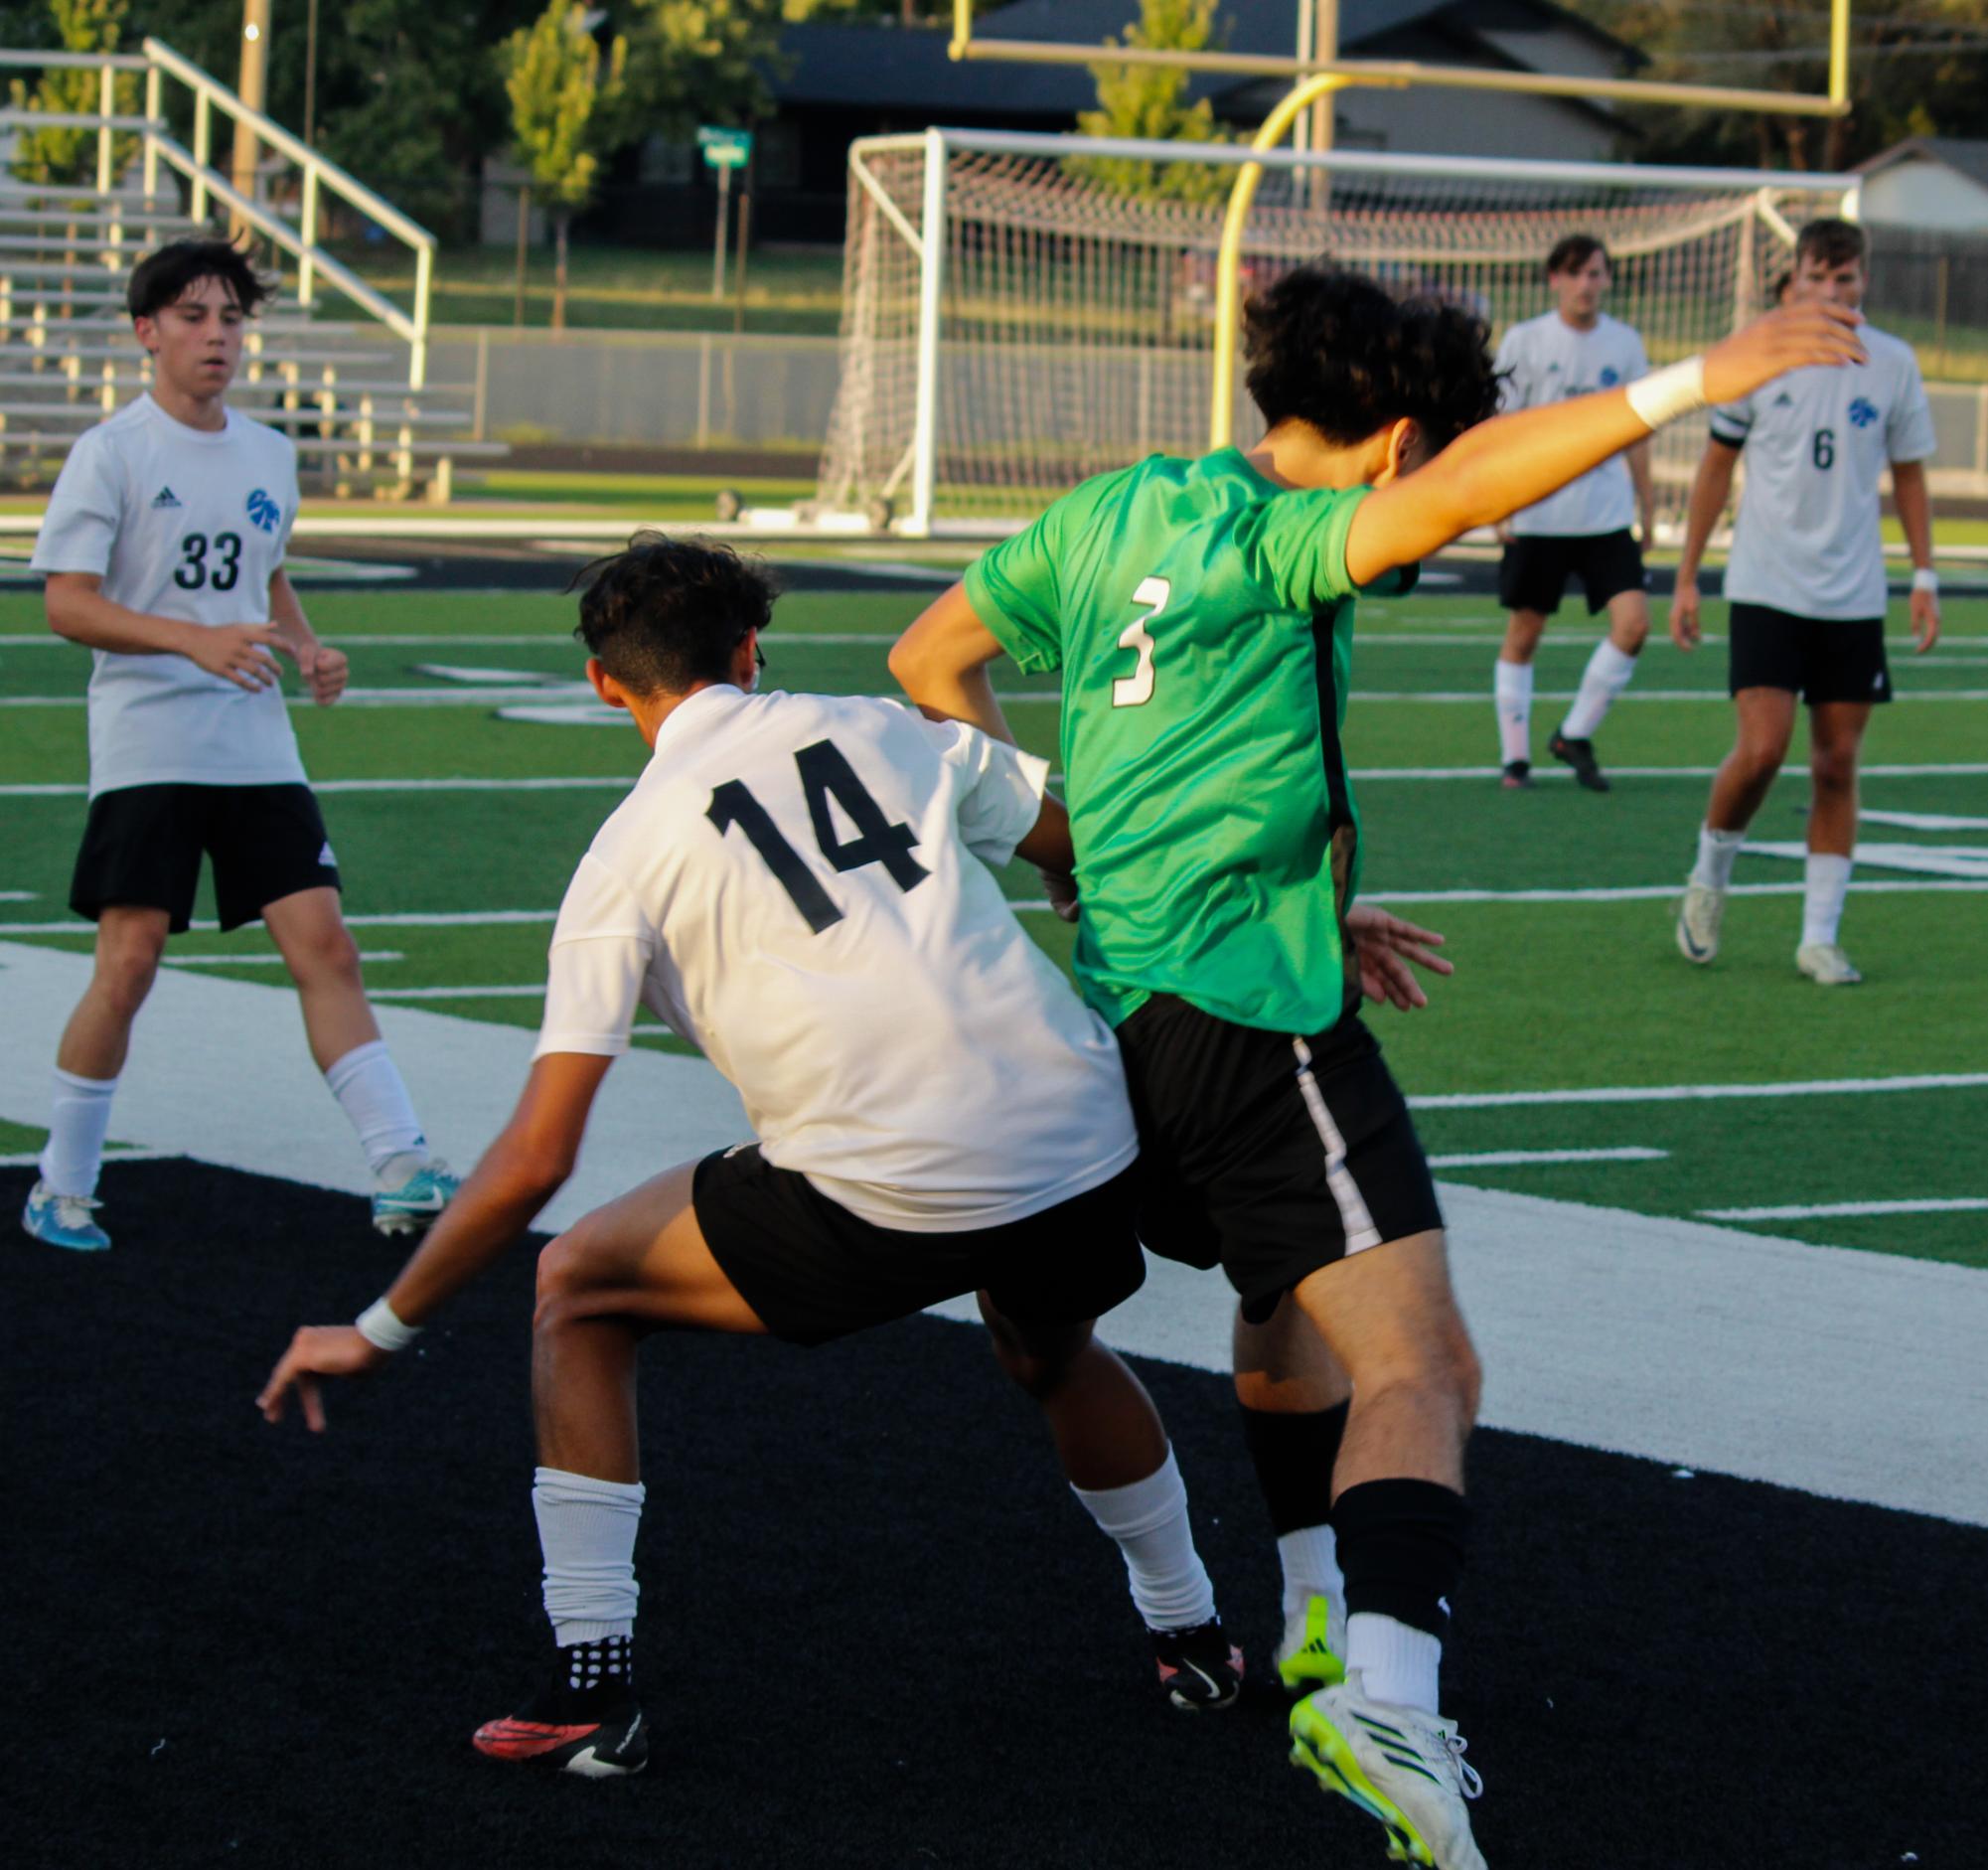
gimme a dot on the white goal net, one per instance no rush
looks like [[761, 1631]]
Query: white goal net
[[1021, 311]]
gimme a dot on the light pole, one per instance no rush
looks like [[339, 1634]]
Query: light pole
[[253, 88], [1317, 38]]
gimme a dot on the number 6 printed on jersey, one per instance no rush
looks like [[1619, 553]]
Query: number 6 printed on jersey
[[1135, 690]]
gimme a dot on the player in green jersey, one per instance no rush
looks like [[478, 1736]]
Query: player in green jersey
[[1201, 614]]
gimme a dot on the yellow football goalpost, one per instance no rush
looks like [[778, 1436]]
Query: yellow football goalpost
[[1320, 78]]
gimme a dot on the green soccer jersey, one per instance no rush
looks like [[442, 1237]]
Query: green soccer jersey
[[1202, 617]]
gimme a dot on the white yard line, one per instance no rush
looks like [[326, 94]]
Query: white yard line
[[1832, 1210], [1656, 892], [577, 783], [32, 1158], [1520, 1158], [456, 993], [1691, 1093], [269, 961], [17, 895], [1480, 775]]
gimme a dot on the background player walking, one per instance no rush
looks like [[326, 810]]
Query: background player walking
[[1806, 587], [163, 546], [1580, 532]]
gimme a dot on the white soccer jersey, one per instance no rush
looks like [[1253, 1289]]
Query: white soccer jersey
[[1817, 440], [185, 523], [1548, 361], [798, 885]]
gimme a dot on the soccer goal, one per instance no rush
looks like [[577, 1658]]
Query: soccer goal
[[1023, 310]]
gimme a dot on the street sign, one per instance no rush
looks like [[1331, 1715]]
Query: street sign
[[723, 148]]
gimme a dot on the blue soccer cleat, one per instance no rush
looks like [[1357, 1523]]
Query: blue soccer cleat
[[413, 1207], [63, 1220]]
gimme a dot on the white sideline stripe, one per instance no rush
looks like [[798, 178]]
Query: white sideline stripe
[[1687, 1093], [1922, 821], [1831, 1210], [1677, 1340], [1365, 775], [1480, 698], [1519, 1158], [415, 918], [1959, 861], [17, 895], [32, 1158], [456, 993]]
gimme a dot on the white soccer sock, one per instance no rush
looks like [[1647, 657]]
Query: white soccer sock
[[1605, 677], [1716, 851], [1826, 883], [1149, 1519], [1397, 1662], [587, 1531], [368, 1086], [78, 1121], [1310, 1560], [1511, 687]]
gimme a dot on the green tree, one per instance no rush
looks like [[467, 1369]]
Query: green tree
[[565, 114], [64, 158], [1149, 101], [694, 62]]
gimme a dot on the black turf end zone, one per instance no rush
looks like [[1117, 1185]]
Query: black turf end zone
[[876, 1630]]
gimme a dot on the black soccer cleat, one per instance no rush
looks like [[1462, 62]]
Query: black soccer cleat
[[1580, 754], [1517, 776], [1200, 1668]]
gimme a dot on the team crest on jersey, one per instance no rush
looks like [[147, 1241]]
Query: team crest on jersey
[[264, 512], [1862, 413], [163, 499], [1610, 377]]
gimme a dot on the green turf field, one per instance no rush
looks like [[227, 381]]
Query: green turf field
[[1556, 902]]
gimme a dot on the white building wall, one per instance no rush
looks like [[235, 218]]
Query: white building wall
[[1924, 194]]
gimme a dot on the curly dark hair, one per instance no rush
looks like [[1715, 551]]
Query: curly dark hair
[[165, 274], [667, 613], [1333, 349]]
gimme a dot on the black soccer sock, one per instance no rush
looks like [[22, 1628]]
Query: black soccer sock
[[591, 1676], [1293, 1456], [1401, 1549]]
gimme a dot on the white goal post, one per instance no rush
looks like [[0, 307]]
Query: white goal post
[[1023, 310]]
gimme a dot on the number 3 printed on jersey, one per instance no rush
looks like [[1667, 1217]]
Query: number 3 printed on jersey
[[1135, 690]]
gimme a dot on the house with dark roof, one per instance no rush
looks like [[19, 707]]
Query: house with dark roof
[[1937, 183], [832, 83]]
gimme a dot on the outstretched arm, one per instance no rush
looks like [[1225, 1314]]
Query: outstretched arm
[[518, 1173], [1514, 461], [941, 663]]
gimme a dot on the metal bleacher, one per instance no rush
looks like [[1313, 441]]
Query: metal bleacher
[[353, 394]]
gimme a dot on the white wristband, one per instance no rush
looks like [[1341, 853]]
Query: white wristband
[[380, 1328], [1665, 395], [1925, 578]]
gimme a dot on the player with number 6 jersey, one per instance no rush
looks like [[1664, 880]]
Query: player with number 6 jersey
[[804, 887], [163, 544], [1806, 593]]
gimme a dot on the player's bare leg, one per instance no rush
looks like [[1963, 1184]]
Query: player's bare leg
[[636, 1265], [1114, 1450], [1390, 1317], [410, 1184], [1295, 1397], [1836, 733], [323, 960], [61, 1207], [1511, 691], [1610, 670], [130, 944]]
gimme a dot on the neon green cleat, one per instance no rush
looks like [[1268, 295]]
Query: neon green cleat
[[1398, 1765], [1308, 1657]]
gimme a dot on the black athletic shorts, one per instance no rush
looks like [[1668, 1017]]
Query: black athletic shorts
[[1269, 1154], [814, 1271], [1817, 658], [1536, 566], [143, 847]]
